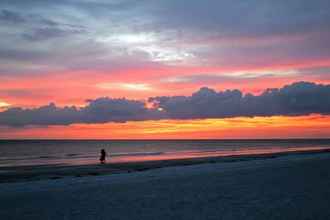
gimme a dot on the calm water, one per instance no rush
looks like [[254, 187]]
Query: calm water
[[32, 152]]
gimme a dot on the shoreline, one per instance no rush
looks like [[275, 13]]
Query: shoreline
[[43, 172]]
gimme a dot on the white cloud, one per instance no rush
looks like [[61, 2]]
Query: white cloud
[[128, 39], [158, 47], [125, 86], [166, 54]]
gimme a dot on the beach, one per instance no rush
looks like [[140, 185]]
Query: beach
[[282, 186]]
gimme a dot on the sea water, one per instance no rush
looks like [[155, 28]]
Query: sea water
[[78, 152]]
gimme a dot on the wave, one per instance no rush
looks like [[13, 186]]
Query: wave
[[135, 154]]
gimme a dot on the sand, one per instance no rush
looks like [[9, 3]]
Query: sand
[[59, 171], [294, 186]]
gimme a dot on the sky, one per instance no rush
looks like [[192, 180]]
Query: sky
[[153, 69]]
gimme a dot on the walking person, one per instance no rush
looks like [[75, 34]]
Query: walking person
[[102, 157]]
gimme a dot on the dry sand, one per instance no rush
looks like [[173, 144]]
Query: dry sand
[[285, 187]]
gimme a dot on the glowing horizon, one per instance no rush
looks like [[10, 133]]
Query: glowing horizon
[[230, 128]]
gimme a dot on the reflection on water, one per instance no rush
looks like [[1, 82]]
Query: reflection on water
[[201, 154]]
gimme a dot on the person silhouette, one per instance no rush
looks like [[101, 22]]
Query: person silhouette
[[102, 157]]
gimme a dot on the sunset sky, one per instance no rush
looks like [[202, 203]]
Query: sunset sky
[[164, 69]]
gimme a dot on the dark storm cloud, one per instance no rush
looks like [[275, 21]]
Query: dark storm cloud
[[222, 17], [198, 27], [100, 110], [103, 110], [14, 54], [13, 17], [296, 99], [50, 32], [251, 17], [226, 16], [301, 98], [10, 17], [45, 115]]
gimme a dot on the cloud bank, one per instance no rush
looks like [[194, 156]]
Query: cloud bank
[[300, 98]]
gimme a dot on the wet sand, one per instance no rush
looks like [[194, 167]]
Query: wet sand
[[59, 171], [291, 186]]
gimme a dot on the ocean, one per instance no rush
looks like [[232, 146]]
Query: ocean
[[78, 152]]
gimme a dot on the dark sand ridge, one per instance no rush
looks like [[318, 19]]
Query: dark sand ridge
[[41, 172]]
